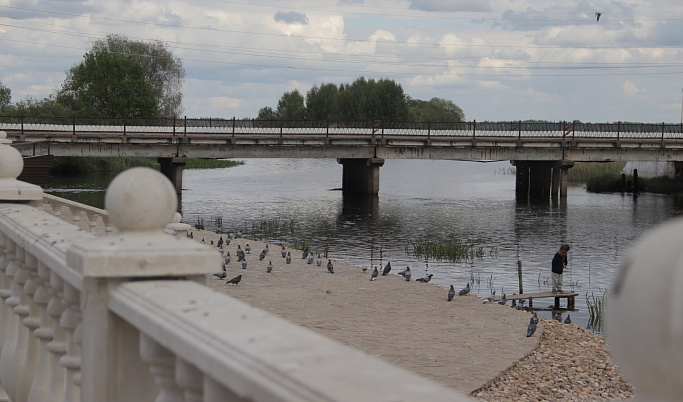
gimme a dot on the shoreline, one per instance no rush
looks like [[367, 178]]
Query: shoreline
[[478, 349]]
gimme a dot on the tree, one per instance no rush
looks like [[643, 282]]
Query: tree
[[164, 72], [291, 106], [267, 113], [321, 102], [5, 97], [108, 85], [436, 109], [38, 107]]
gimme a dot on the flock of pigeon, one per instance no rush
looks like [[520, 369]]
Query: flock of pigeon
[[310, 257]]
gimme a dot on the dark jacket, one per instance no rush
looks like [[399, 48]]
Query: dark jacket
[[558, 263]]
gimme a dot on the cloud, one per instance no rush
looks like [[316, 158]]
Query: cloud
[[452, 6], [291, 17], [630, 89]]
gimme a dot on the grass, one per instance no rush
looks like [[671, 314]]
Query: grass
[[72, 165], [596, 310], [453, 250], [582, 171]]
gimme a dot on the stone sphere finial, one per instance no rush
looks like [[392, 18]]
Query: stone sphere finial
[[140, 199], [11, 162], [644, 320]]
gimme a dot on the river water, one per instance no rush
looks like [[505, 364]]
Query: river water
[[419, 201]]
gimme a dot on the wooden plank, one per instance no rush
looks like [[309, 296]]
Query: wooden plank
[[539, 295]]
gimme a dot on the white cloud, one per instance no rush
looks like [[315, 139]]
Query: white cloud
[[630, 89]]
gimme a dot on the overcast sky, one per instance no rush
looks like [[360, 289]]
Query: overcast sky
[[496, 59]]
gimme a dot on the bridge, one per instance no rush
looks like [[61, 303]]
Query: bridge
[[541, 152]]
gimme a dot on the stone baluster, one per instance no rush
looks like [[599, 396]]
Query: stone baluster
[[14, 350], [75, 217], [92, 222], [41, 383], [57, 346], [162, 366], [190, 380], [217, 392], [70, 321], [31, 322], [6, 255]]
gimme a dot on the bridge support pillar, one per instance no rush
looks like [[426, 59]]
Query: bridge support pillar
[[361, 176], [541, 180], [173, 169]]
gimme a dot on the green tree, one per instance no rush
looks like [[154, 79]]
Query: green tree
[[5, 97], [108, 85], [267, 113], [291, 106], [164, 72], [321, 102], [436, 109], [37, 108]]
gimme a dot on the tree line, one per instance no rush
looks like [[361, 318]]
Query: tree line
[[362, 100]]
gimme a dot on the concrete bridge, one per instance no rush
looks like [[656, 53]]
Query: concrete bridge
[[541, 152]]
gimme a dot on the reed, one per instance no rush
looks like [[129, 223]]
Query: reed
[[596, 310], [211, 163], [582, 171], [453, 250]]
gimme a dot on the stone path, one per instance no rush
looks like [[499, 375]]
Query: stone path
[[462, 344]]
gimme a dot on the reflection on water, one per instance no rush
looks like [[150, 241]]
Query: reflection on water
[[425, 201]]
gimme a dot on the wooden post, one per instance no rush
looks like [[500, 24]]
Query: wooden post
[[519, 274]]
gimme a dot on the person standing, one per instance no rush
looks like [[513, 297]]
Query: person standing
[[558, 266]]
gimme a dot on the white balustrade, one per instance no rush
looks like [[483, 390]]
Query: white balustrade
[[127, 317]]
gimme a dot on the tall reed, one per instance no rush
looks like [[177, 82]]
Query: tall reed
[[596, 310], [452, 250]]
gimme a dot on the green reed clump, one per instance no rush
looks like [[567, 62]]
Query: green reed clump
[[446, 250], [596, 311], [604, 182], [211, 163], [583, 170]]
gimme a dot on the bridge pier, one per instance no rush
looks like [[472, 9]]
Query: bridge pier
[[361, 176], [173, 169], [541, 180]]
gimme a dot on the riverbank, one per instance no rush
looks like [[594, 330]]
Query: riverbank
[[464, 344]]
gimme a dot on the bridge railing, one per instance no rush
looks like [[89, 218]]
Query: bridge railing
[[127, 317], [210, 126]]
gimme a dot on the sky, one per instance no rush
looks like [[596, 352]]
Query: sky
[[498, 60]]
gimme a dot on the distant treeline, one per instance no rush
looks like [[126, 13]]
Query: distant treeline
[[73, 165], [362, 100]]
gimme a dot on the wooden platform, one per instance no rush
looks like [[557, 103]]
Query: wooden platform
[[570, 296]]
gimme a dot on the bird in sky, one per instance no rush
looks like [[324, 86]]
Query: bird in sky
[[568, 320], [374, 275], [330, 267], [425, 279], [465, 290], [234, 280], [597, 16], [288, 259], [387, 268], [531, 329], [451, 293], [270, 266]]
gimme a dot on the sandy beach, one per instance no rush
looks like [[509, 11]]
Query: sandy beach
[[464, 344]]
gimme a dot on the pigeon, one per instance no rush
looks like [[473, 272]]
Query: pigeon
[[531, 329], [491, 297], [212, 244], [228, 258], [227, 241], [364, 269], [283, 252], [330, 267], [270, 266], [304, 255], [220, 241], [262, 255], [311, 258], [238, 234], [597, 16], [247, 248], [240, 253], [267, 249], [220, 275], [375, 274], [220, 250], [465, 290], [244, 264], [289, 257], [425, 279], [451, 293], [387, 268], [568, 320], [190, 235], [235, 280], [403, 273], [520, 305], [408, 275], [203, 241], [533, 319], [319, 260], [503, 300]]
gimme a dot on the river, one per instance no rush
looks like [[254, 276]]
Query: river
[[470, 202]]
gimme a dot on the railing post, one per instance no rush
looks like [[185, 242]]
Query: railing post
[[327, 129], [174, 125], [281, 124], [124, 126], [618, 130], [185, 127], [22, 124], [233, 126], [73, 124], [140, 202], [474, 128], [429, 128], [519, 136], [662, 131]]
